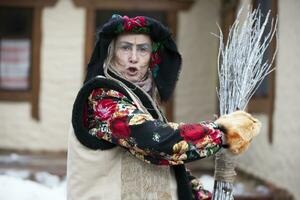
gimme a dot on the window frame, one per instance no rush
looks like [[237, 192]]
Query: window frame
[[32, 94]]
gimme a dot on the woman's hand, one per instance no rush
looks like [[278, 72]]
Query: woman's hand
[[239, 128]]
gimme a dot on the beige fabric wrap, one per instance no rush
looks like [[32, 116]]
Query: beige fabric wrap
[[114, 175]]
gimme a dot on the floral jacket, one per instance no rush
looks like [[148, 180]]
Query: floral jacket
[[113, 117]]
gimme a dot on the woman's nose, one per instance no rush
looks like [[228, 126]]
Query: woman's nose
[[134, 57]]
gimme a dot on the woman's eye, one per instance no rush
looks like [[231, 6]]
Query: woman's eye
[[144, 50], [125, 48]]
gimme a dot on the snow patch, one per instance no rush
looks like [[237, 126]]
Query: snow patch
[[14, 185]]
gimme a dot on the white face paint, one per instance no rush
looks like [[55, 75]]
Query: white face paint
[[132, 55]]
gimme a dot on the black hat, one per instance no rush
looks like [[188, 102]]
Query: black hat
[[165, 61]]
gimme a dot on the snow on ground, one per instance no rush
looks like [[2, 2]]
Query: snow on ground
[[208, 182], [15, 185], [19, 185], [239, 188]]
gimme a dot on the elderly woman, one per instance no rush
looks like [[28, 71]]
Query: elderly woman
[[121, 145]]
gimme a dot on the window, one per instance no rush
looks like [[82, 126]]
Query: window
[[100, 11], [20, 39], [15, 48], [14, 63]]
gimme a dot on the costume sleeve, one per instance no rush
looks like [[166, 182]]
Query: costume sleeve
[[114, 118], [199, 193]]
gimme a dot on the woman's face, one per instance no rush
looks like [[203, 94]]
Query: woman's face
[[132, 55]]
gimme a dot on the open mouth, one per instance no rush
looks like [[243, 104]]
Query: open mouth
[[132, 70]]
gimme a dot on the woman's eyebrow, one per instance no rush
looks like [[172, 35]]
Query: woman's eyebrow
[[129, 43], [144, 45], [125, 43]]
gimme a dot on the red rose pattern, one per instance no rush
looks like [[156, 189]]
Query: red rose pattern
[[154, 59], [111, 119], [163, 162], [130, 23], [104, 109], [192, 132], [99, 134], [120, 128], [203, 195], [97, 92]]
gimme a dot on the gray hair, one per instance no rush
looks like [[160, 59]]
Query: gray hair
[[110, 54]]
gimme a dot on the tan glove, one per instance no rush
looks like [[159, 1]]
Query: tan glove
[[239, 128]]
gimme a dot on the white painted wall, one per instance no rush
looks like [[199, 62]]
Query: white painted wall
[[61, 75], [195, 98], [280, 162]]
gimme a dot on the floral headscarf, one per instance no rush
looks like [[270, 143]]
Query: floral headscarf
[[165, 61], [140, 25]]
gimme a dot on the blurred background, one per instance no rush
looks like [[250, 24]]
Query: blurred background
[[44, 48]]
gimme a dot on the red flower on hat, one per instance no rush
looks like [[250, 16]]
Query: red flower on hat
[[120, 128], [154, 59], [105, 108], [130, 23]]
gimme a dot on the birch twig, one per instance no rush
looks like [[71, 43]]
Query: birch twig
[[241, 69]]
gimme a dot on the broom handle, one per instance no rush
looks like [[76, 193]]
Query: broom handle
[[225, 174], [222, 190]]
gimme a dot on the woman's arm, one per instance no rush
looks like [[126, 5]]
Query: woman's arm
[[114, 118]]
